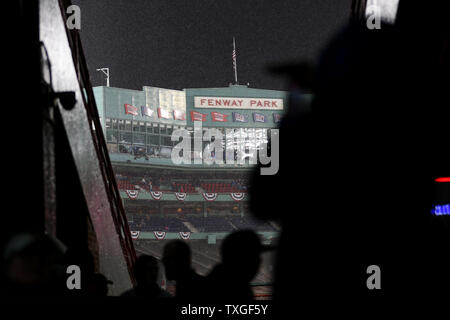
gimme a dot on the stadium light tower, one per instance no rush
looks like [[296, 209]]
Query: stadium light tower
[[106, 72]]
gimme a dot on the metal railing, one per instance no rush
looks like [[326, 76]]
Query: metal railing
[[117, 209]]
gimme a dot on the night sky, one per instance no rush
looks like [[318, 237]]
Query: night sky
[[188, 44]]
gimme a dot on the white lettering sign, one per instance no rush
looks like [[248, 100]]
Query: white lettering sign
[[238, 103]]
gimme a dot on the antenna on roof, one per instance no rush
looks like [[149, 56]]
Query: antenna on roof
[[106, 72]]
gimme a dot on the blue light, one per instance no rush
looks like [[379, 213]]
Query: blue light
[[441, 210]]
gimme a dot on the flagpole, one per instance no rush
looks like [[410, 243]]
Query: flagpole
[[234, 62]]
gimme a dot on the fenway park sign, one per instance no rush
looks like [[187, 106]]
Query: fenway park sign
[[238, 103]]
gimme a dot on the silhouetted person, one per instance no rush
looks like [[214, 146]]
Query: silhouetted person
[[146, 272], [230, 280], [177, 265], [357, 172], [97, 285], [31, 266]]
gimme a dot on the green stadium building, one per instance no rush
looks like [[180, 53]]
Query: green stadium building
[[164, 200]]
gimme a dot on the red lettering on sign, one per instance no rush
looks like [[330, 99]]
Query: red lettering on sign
[[201, 101], [267, 104], [218, 102], [226, 102], [252, 102], [240, 102], [210, 102], [274, 104], [234, 103]]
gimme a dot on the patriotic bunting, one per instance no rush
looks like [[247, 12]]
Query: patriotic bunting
[[135, 234], [209, 196], [237, 196], [181, 195], [160, 235], [156, 195], [185, 235], [132, 194]]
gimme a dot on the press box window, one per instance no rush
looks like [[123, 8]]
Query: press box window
[[121, 125], [111, 135], [142, 127], [114, 124], [125, 137], [149, 127], [139, 138], [155, 128], [135, 126], [127, 125]]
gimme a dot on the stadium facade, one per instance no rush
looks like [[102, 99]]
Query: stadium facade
[[196, 201]]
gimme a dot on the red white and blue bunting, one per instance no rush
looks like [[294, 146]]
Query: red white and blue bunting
[[156, 195], [237, 196], [209, 196], [135, 234], [185, 235], [160, 235], [132, 194], [181, 195]]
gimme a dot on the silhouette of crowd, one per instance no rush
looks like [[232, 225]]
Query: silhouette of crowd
[[228, 281], [36, 266]]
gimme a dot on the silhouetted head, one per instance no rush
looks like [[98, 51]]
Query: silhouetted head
[[29, 261], [146, 270], [241, 254], [177, 259], [97, 285]]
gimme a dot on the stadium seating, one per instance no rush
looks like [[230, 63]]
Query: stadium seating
[[211, 224], [184, 187], [149, 224], [130, 182], [142, 220], [250, 223], [125, 185], [218, 187]]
